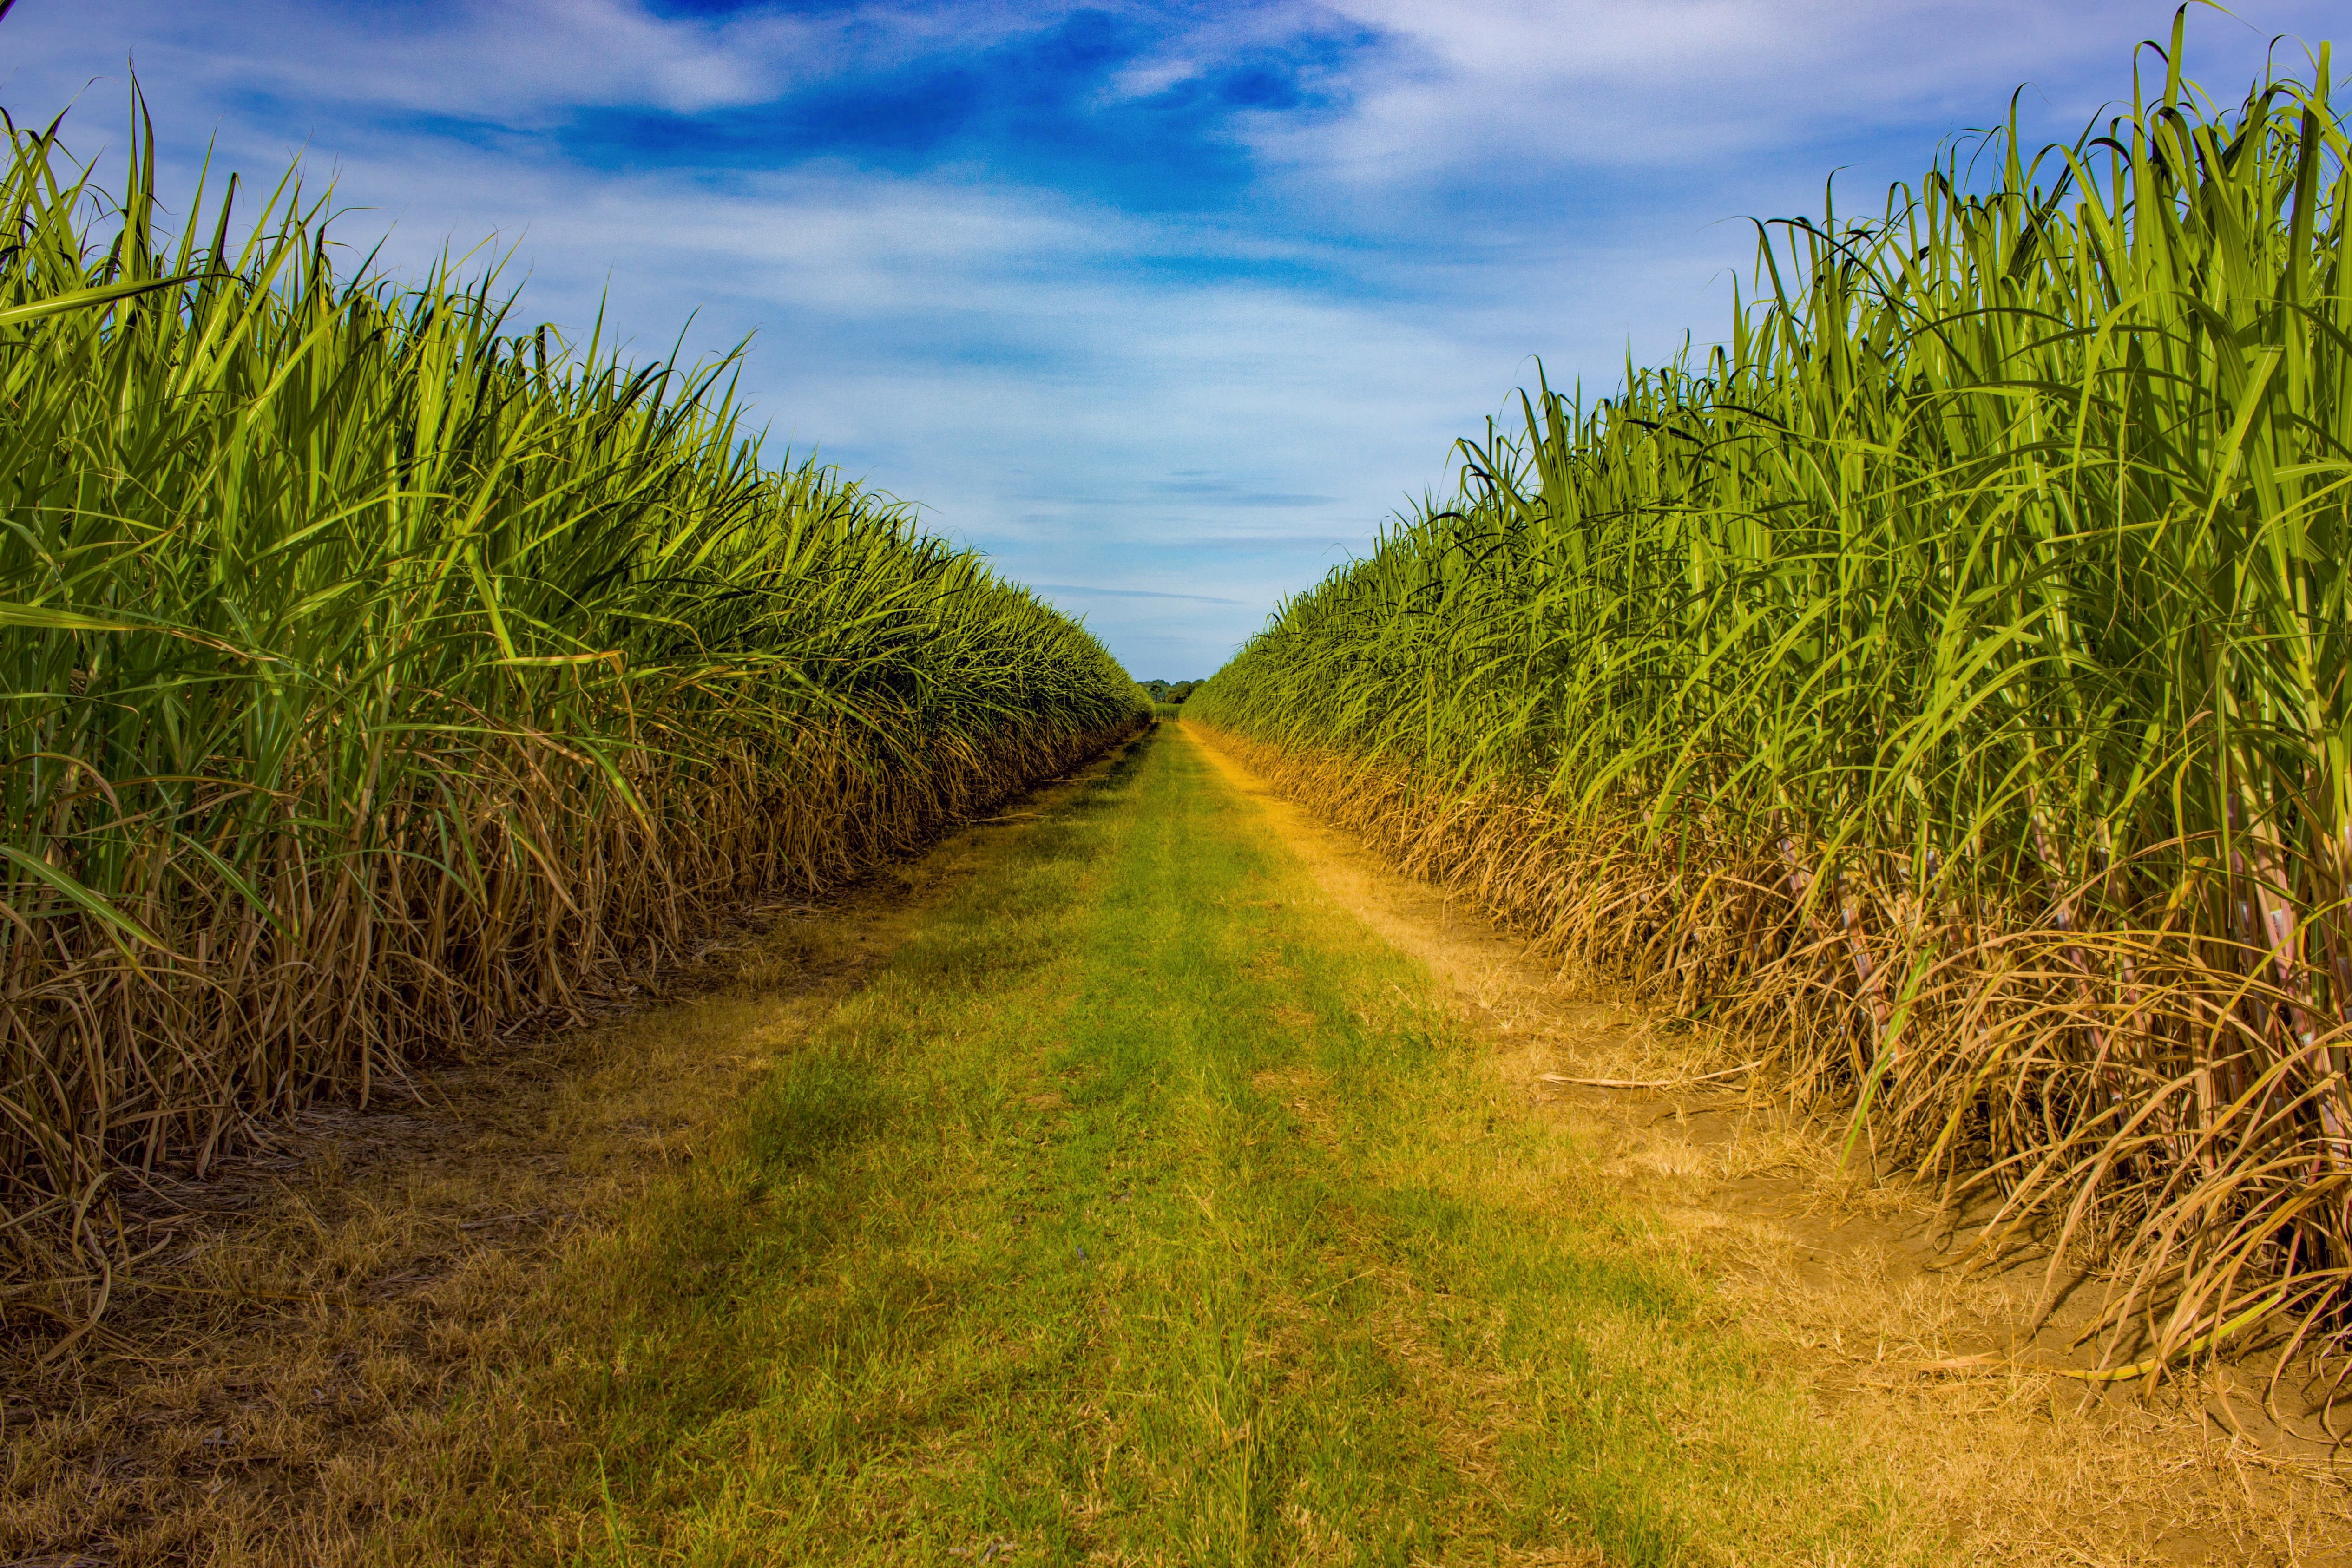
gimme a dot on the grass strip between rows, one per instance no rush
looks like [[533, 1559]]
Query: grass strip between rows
[[1147, 1209]]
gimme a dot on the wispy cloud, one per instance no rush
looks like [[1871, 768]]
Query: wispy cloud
[[1084, 591]]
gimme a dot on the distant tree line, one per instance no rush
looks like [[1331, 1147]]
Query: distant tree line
[[1169, 691]]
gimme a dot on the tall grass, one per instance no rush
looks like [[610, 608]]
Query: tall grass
[[1944, 682], [378, 675]]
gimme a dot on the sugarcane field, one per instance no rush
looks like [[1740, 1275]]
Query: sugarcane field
[[616, 948]]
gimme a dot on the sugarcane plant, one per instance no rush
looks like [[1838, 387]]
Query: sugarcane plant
[[381, 674], [1939, 687]]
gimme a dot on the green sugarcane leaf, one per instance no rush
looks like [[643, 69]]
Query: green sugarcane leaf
[[82, 299], [80, 897]]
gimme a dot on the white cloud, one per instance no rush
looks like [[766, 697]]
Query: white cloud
[[1507, 86], [510, 62]]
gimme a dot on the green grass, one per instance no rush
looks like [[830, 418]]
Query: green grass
[[1146, 1210]]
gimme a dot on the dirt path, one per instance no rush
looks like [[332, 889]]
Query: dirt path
[[1147, 1178], [1847, 1279], [1146, 1209]]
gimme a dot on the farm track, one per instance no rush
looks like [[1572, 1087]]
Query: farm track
[[1149, 1178]]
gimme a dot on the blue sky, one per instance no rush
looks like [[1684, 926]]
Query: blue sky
[[1164, 306]]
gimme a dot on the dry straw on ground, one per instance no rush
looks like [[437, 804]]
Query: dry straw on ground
[[354, 1339]]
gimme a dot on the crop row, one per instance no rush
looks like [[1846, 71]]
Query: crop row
[[1940, 688], [379, 676]]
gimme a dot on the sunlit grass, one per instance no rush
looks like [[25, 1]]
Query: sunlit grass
[[1144, 1209]]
